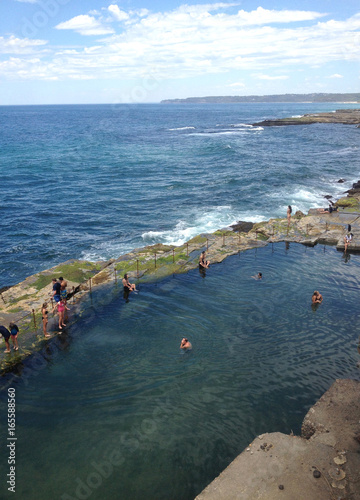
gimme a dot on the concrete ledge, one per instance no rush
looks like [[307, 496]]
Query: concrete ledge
[[324, 467]]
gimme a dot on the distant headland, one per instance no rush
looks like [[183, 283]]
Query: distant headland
[[316, 97]]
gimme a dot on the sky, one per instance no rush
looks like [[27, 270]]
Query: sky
[[134, 51]]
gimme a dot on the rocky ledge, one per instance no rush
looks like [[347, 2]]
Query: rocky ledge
[[321, 464], [344, 116]]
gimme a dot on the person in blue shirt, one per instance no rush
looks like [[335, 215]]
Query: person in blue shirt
[[56, 290]]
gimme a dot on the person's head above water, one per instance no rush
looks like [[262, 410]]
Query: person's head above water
[[185, 344]]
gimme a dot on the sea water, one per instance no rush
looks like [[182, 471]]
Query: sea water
[[120, 413], [94, 182]]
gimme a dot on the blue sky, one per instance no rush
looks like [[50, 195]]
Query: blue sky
[[93, 51]]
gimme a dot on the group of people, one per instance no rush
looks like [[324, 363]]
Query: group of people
[[60, 298], [59, 295]]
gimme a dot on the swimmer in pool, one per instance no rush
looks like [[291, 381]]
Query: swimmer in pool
[[316, 297], [258, 276], [185, 344]]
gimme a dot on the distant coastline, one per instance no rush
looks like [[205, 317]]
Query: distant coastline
[[351, 98]]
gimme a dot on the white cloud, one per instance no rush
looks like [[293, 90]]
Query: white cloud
[[335, 75], [85, 25], [199, 40], [269, 77], [264, 16], [27, 1], [13, 45], [118, 14]]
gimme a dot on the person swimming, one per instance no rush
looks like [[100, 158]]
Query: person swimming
[[316, 297], [185, 344]]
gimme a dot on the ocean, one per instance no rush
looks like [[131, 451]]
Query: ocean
[[96, 181]]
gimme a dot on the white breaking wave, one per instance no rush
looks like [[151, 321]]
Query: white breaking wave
[[238, 131], [182, 128], [245, 125], [207, 222]]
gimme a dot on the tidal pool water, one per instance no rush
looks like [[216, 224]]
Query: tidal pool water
[[121, 414]]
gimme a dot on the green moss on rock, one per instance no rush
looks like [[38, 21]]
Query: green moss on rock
[[225, 232], [347, 202], [77, 272]]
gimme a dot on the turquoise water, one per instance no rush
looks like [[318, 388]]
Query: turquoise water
[[94, 182], [119, 389]]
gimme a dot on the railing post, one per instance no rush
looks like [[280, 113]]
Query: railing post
[[223, 240], [137, 267], [73, 289], [3, 298], [33, 311], [90, 283], [187, 249], [173, 256], [115, 274], [207, 244], [256, 234], [155, 260]]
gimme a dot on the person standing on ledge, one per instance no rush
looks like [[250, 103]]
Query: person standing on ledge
[[6, 334], [288, 214], [63, 285], [44, 314], [14, 330], [56, 290], [61, 307], [316, 297]]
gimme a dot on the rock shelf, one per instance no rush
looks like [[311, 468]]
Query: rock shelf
[[344, 116]]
